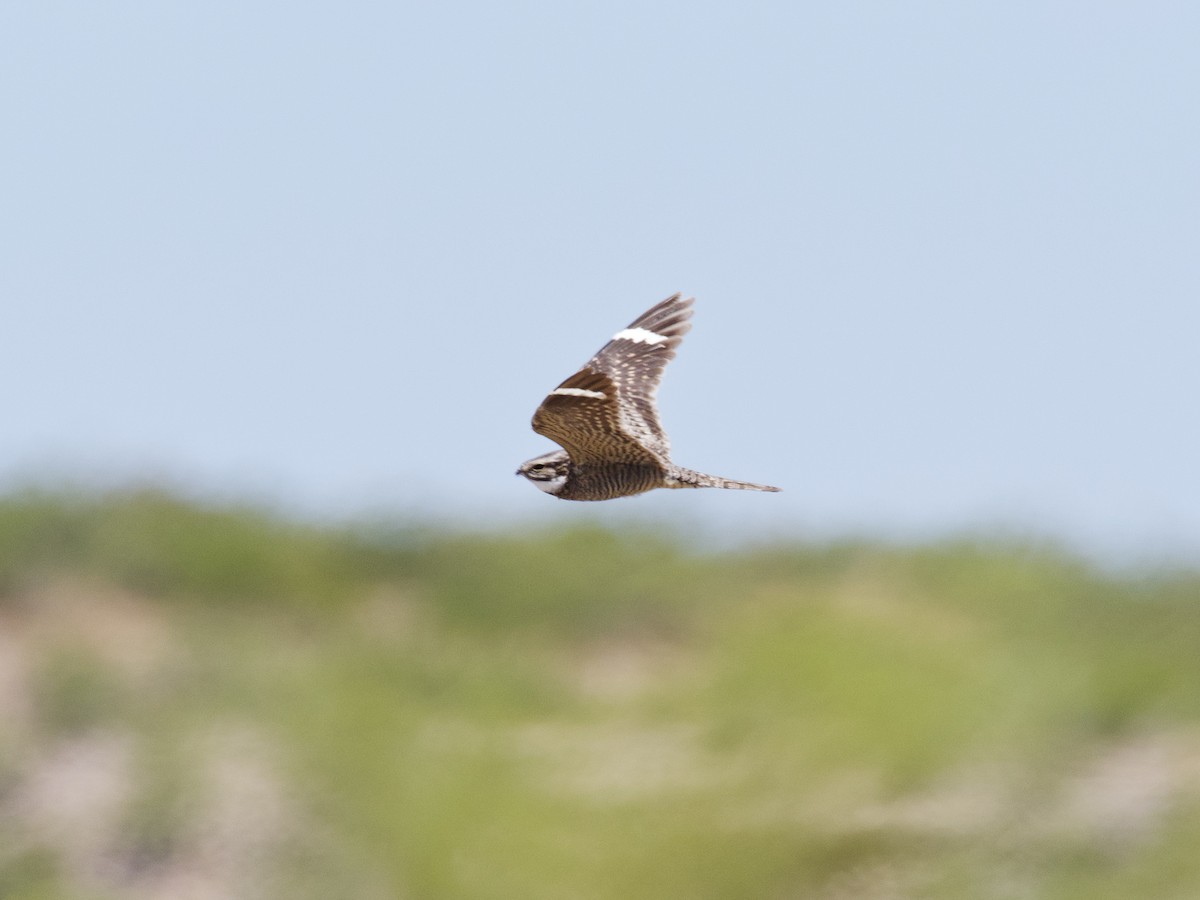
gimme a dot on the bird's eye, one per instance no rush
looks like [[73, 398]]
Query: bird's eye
[[539, 467]]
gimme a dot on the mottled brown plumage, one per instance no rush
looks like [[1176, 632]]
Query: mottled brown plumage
[[606, 420]]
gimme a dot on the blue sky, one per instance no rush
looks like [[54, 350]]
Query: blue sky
[[333, 255]]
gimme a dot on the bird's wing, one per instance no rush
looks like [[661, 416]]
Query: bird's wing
[[583, 416], [634, 360], [607, 410]]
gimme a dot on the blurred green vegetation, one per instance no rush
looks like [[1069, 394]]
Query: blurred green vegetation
[[210, 701]]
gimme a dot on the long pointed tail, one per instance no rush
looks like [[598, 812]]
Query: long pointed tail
[[680, 477]]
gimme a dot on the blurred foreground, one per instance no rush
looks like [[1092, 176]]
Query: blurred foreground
[[221, 704]]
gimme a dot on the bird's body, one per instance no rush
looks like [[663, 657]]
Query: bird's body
[[606, 420]]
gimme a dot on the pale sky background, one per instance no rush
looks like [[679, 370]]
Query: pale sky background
[[946, 255]]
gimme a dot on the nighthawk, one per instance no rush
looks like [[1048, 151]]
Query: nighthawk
[[605, 418]]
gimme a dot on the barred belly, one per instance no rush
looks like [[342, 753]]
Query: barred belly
[[605, 482]]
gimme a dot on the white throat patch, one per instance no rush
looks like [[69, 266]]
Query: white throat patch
[[553, 486]]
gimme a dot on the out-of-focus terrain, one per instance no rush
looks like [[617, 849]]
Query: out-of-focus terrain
[[220, 703]]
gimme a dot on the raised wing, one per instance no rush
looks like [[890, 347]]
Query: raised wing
[[607, 409], [635, 358], [582, 415]]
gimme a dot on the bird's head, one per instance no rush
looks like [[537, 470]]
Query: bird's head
[[548, 472]]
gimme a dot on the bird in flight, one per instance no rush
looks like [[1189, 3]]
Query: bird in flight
[[606, 420]]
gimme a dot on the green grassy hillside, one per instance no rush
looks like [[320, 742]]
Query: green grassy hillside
[[220, 703]]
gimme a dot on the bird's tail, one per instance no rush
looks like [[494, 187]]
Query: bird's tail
[[680, 477]]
